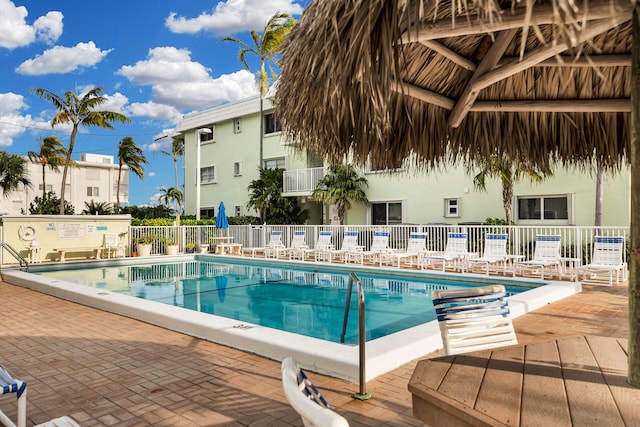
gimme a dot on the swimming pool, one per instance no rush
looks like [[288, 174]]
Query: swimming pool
[[301, 301], [241, 295]]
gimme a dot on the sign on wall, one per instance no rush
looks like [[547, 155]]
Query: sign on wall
[[71, 231]]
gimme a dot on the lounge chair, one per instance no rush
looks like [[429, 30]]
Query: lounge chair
[[305, 398], [275, 241], [494, 258], [9, 384], [349, 244], [415, 248], [473, 319], [454, 252], [606, 260], [322, 244], [298, 242], [379, 245], [546, 256], [112, 245]]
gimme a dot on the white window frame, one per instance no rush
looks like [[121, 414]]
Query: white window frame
[[237, 210], [93, 191], [276, 159], [369, 170], [570, 210], [207, 169], [237, 125], [452, 207], [387, 203], [237, 168], [208, 138], [277, 126]]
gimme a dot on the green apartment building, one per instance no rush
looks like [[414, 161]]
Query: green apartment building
[[228, 139]]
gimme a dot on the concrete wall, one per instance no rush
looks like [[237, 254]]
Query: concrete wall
[[57, 231]]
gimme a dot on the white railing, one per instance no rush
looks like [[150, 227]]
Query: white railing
[[576, 241], [302, 180]]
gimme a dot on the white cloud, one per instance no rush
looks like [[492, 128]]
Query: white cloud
[[233, 16], [179, 83], [115, 103], [12, 122], [165, 64], [152, 174], [60, 60], [15, 32], [162, 141]]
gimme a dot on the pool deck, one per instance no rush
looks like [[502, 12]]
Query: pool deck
[[105, 369]]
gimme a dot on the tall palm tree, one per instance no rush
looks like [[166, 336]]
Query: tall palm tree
[[78, 111], [131, 155], [266, 46], [509, 172], [341, 186], [172, 195], [52, 153], [13, 172], [177, 150]]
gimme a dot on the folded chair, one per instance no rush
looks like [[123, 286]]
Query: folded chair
[[322, 244], [298, 242], [454, 252], [275, 241], [349, 244], [494, 258], [606, 260], [379, 245], [546, 256], [473, 319], [305, 398], [415, 248]]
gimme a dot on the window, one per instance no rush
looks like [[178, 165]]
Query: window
[[278, 163], [371, 167], [237, 210], [237, 126], [209, 136], [237, 169], [271, 124], [208, 175], [207, 212], [386, 213], [49, 187], [556, 208], [93, 191], [452, 207]]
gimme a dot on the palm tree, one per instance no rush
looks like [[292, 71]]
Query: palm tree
[[177, 150], [266, 47], [78, 111], [131, 155], [13, 172], [341, 186], [52, 153], [509, 172], [169, 195], [100, 208]]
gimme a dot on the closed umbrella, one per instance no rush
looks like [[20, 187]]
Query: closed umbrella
[[221, 218]]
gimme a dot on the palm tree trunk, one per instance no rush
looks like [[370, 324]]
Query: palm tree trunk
[[44, 181], [175, 170], [507, 197], [599, 193], [118, 189], [72, 142], [634, 253]]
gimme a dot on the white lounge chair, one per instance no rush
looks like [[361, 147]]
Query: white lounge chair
[[349, 244], [323, 243], [494, 258], [606, 260], [297, 242], [415, 248], [473, 319], [112, 245], [546, 256], [454, 252], [305, 398], [275, 241], [379, 245], [9, 384]]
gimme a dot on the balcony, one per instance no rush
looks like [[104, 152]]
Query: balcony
[[302, 182]]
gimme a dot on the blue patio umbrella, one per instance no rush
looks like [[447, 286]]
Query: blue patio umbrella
[[221, 286], [221, 218]]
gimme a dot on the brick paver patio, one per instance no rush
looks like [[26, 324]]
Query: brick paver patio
[[105, 369]]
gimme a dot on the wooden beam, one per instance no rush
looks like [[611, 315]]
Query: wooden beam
[[452, 55], [465, 25], [542, 53], [555, 106], [425, 95], [488, 63], [581, 62]]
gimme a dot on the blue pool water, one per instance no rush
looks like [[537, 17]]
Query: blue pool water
[[303, 301]]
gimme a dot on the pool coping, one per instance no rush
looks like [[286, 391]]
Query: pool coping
[[337, 360]]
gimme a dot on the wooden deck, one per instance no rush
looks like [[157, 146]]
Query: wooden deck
[[579, 380]]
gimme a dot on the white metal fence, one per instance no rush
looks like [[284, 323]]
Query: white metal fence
[[576, 241]]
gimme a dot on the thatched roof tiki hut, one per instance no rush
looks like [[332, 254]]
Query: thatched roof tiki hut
[[433, 81]]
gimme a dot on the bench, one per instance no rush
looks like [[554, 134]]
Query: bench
[[63, 251], [229, 248]]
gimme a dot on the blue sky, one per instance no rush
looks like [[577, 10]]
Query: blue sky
[[157, 60]]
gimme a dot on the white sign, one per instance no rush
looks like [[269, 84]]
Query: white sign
[[70, 231], [51, 226]]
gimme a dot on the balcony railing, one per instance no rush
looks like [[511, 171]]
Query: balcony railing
[[303, 180]]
